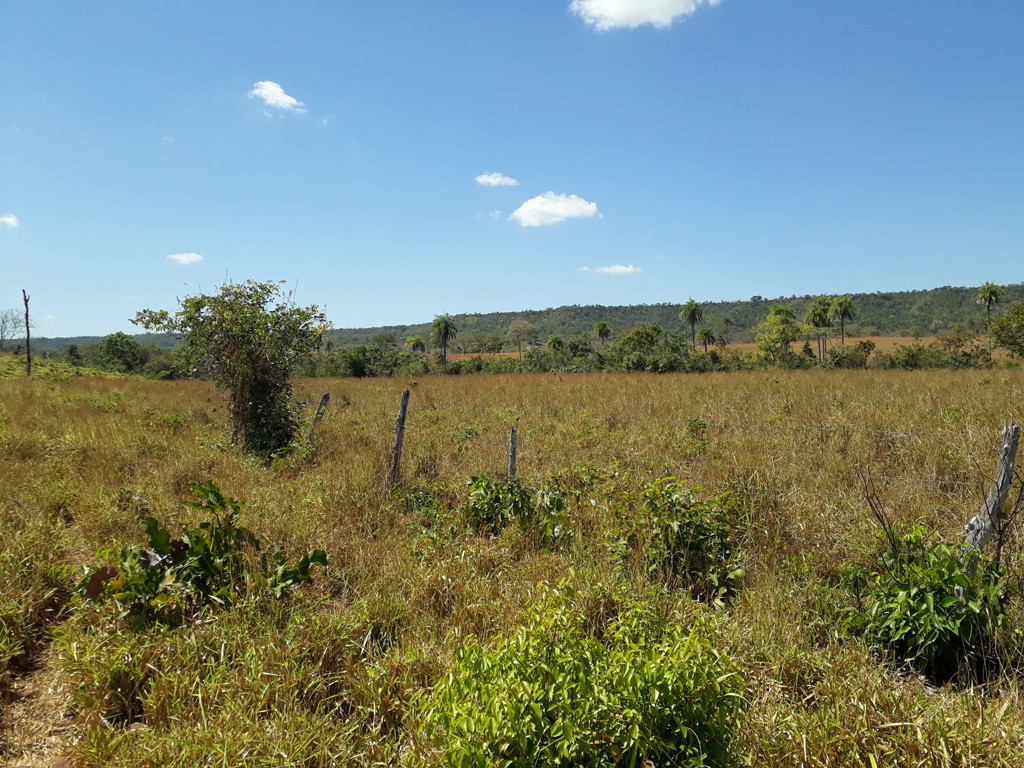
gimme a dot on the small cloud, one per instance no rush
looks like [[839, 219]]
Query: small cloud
[[326, 120], [496, 180], [168, 139], [9, 219], [274, 97], [612, 14], [550, 208], [618, 269], [185, 258], [584, 269], [495, 214]]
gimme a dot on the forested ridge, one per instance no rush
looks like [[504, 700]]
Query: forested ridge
[[901, 313]]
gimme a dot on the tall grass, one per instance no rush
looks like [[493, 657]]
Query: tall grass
[[334, 674]]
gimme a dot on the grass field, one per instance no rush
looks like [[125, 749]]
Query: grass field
[[335, 674]]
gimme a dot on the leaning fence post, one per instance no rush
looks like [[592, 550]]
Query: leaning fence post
[[981, 527], [317, 416], [395, 470], [512, 452]]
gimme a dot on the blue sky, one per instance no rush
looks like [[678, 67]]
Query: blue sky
[[393, 160]]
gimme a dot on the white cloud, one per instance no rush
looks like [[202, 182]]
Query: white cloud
[[496, 180], [185, 258], [618, 269], [550, 208], [9, 219], [274, 97], [611, 14]]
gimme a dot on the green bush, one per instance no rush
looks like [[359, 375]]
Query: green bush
[[920, 607], [684, 541], [568, 690], [540, 514], [216, 562]]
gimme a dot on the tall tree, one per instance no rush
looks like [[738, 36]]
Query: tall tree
[[817, 316], [692, 313], [416, 343], [519, 331], [989, 294], [443, 330], [602, 330], [843, 309], [706, 336], [1008, 329]]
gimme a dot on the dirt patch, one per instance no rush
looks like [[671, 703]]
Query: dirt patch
[[37, 723]]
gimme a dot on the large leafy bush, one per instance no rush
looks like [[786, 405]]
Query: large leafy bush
[[921, 608], [572, 688]]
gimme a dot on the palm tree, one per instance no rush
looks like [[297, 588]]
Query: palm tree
[[443, 330], [555, 343], [727, 325], [602, 330], [705, 337], [817, 317], [842, 308], [416, 343], [692, 314], [988, 295]]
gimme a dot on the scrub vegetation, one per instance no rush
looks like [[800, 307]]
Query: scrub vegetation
[[685, 572]]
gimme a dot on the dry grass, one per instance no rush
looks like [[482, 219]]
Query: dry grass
[[331, 677]]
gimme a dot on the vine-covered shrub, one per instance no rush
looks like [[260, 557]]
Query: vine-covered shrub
[[920, 607], [639, 688], [216, 562]]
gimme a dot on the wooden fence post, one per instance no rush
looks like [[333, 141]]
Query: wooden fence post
[[512, 452], [28, 336], [395, 470], [324, 401], [981, 527]]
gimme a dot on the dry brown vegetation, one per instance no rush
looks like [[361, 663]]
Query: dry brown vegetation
[[331, 676]]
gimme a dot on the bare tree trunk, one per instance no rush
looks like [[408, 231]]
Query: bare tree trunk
[[28, 337]]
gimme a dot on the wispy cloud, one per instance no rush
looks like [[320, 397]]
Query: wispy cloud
[[185, 258], [273, 97], [9, 220], [550, 208], [614, 269], [612, 14], [496, 180]]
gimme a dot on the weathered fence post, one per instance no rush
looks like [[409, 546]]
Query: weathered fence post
[[512, 452], [978, 532], [324, 401], [395, 470]]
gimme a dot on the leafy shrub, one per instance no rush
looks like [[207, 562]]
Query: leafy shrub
[[565, 690], [683, 540], [919, 606], [541, 514], [218, 562]]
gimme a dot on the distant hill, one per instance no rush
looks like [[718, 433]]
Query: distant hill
[[903, 313], [161, 340]]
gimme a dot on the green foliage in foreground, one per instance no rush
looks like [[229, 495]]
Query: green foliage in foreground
[[919, 606], [585, 688], [216, 562]]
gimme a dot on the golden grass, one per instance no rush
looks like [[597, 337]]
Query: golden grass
[[332, 678]]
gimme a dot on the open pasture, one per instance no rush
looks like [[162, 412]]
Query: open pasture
[[334, 675]]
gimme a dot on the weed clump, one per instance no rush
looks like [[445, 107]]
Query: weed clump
[[919, 607], [216, 562], [638, 689]]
